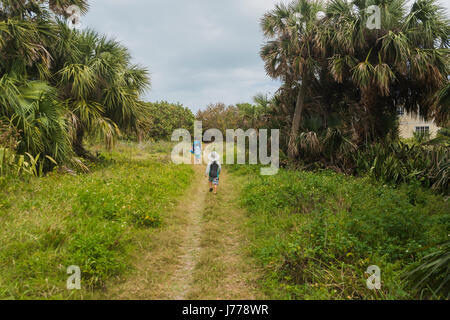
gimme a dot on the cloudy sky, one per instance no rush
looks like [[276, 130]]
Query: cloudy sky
[[198, 51]]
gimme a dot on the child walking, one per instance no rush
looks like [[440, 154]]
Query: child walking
[[197, 150], [213, 171]]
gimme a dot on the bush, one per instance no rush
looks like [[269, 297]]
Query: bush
[[398, 163], [316, 233], [433, 274], [166, 117]]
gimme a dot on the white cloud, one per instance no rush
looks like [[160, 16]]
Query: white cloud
[[198, 51]]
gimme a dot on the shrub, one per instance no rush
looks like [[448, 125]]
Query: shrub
[[164, 118], [316, 233], [433, 274], [398, 163]]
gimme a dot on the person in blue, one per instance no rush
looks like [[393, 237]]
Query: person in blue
[[197, 150], [213, 171]]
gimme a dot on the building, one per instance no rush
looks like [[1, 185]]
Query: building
[[410, 123]]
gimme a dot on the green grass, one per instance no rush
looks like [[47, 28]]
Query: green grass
[[90, 220], [315, 234]]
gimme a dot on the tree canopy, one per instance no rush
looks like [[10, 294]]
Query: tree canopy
[[58, 84], [340, 76]]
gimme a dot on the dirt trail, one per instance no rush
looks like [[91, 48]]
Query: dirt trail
[[183, 277], [200, 252], [224, 269]]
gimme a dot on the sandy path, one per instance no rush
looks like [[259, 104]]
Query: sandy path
[[199, 253], [193, 209]]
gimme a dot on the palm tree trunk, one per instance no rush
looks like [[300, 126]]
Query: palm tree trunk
[[296, 120], [77, 143]]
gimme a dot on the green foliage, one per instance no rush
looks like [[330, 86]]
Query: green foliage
[[433, 274], [442, 138], [315, 234], [90, 220], [58, 84], [14, 165], [421, 137], [166, 117], [398, 163], [34, 112], [335, 67], [241, 116], [100, 252]]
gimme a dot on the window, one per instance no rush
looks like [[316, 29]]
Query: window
[[423, 130], [400, 111]]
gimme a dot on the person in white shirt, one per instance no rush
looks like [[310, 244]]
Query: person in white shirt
[[213, 171]]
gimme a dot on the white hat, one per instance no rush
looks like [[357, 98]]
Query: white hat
[[213, 156]]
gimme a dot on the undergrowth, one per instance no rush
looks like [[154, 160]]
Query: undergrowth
[[88, 220], [316, 233]]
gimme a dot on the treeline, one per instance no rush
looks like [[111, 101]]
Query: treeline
[[164, 118], [342, 84], [59, 85], [242, 115]]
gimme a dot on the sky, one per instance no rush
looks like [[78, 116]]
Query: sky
[[197, 51]]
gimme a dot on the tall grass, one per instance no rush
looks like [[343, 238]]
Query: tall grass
[[315, 234], [12, 164], [398, 162], [90, 220]]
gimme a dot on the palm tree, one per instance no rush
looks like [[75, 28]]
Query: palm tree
[[291, 51], [33, 109], [27, 103], [441, 106], [262, 101], [403, 63], [338, 68], [54, 78], [101, 87]]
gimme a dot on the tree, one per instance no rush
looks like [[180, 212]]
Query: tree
[[219, 116], [290, 53], [352, 78], [58, 84], [166, 117], [402, 64], [101, 87]]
